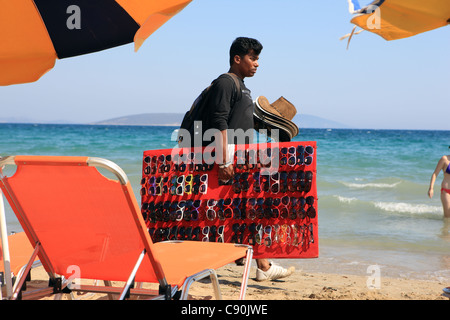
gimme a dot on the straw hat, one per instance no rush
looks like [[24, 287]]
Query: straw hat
[[277, 115]]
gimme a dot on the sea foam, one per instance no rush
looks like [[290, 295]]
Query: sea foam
[[402, 207], [371, 185]]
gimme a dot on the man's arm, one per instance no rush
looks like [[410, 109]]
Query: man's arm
[[226, 170]]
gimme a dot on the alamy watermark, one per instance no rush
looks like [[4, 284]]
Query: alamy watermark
[[374, 21], [74, 20], [73, 281], [203, 145], [374, 278]]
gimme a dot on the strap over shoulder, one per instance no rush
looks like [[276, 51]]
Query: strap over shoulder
[[237, 82]]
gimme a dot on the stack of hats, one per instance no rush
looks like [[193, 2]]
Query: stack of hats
[[275, 116]]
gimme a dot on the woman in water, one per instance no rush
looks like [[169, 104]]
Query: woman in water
[[444, 165]]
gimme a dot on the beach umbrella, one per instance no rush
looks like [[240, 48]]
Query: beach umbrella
[[34, 33], [397, 19]]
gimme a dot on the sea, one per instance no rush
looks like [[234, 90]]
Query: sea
[[373, 209]]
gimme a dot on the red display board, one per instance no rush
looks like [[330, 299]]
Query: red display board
[[271, 202]]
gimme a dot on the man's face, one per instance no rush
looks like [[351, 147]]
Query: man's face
[[247, 64]]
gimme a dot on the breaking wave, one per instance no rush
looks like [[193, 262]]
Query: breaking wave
[[402, 207], [371, 185], [419, 209]]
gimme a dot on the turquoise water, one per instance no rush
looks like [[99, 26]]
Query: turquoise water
[[372, 188]]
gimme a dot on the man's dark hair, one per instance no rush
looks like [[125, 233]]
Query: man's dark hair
[[242, 46]]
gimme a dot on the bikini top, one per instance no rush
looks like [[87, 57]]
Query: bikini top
[[448, 169]]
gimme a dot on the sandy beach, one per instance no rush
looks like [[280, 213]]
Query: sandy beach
[[302, 285]]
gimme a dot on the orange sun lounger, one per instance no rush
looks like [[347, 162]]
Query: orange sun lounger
[[20, 251], [83, 225]]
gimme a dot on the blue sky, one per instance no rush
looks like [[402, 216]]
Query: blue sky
[[402, 84]]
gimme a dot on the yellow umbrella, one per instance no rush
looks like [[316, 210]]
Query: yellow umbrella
[[397, 19], [34, 33]]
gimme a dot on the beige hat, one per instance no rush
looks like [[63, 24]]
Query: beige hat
[[281, 107], [277, 115]]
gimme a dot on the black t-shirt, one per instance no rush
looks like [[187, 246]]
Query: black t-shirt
[[227, 109]]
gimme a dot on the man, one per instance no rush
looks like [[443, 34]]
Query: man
[[230, 112]]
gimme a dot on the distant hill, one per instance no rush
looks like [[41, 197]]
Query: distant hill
[[174, 119], [309, 121], [146, 119]]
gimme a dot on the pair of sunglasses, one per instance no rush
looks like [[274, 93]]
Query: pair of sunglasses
[[214, 231], [238, 230]]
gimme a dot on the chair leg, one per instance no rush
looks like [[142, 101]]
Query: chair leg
[[4, 244], [215, 284], [203, 274], [110, 295], [132, 275], [245, 276]]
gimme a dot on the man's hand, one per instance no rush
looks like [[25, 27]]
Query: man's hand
[[226, 173]]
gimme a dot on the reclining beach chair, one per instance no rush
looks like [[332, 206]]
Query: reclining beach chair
[[84, 225], [15, 260]]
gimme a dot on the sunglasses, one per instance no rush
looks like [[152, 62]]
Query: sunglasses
[[174, 233], [181, 233], [252, 202], [241, 182], [210, 212], [288, 156], [256, 183], [196, 233], [240, 159], [251, 237], [180, 167], [304, 155], [275, 183], [285, 236], [150, 159], [276, 230], [220, 232], [203, 167], [158, 234], [185, 233], [213, 232], [237, 214], [191, 210], [295, 230], [232, 208], [270, 210], [292, 181], [188, 181], [268, 236], [203, 183], [311, 212], [258, 233], [149, 170], [311, 234], [164, 159], [173, 211], [262, 181], [238, 230], [191, 156], [283, 181], [205, 232], [180, 185], [252, 156], [265, 157], [308, 181], [286, 150], [179, 212], [246, 159]]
